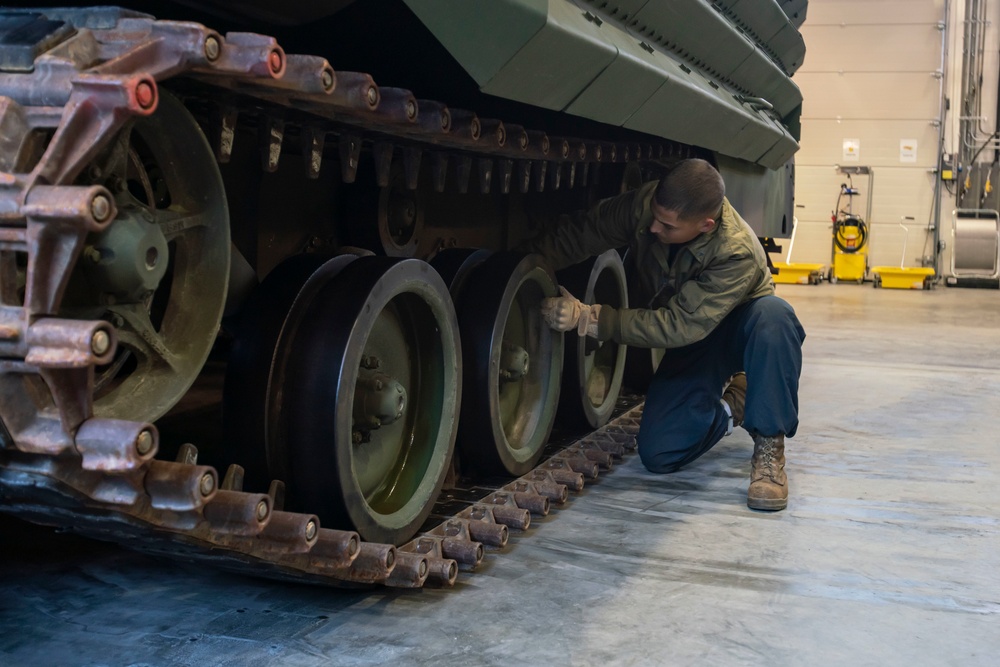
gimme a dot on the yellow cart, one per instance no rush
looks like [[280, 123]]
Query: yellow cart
[[900, 277], [797, 273], [895, 277]]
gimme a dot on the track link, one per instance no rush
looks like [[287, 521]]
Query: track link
[[160, 507]]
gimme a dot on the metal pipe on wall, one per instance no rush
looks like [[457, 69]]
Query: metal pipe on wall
[[942, 111]]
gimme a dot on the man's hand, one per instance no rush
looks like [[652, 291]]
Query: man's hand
[[566, 312]]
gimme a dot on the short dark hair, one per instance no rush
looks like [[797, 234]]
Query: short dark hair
[[693, 189]]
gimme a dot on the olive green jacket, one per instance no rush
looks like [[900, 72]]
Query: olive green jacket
[[681, 301]]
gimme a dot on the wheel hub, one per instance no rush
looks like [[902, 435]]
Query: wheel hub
[[402, 217], [513, 362], [128, 260], [379, 400]]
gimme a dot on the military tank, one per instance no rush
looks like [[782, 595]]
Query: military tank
[[321, 248]]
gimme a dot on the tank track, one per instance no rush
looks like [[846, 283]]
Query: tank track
[[158, 508], [61, 465]]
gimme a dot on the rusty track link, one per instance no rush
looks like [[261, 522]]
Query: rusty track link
[[59, 464], [223, 529]]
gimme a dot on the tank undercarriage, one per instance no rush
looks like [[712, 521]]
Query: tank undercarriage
[[363, 311]]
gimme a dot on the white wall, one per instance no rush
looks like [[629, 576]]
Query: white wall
[[872, 73]]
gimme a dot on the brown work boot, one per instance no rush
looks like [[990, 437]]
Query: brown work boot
[[768, 482], [735, 397]]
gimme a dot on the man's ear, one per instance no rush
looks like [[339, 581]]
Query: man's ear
[[706, 225]]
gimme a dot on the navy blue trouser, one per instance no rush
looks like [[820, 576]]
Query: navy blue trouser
[[684, 417]]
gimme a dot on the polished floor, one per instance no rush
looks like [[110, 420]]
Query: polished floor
[[889, 552]]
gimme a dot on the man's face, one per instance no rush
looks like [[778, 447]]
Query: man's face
[[668, 228]]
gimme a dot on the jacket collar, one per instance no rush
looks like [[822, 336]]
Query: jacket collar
[[699, 246]]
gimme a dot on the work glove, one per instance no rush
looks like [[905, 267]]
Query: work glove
[[566, 312]]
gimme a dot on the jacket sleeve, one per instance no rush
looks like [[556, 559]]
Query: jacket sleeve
[[611, 223], [691, 314]]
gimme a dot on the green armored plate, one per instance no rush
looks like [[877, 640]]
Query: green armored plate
[[670, 69]]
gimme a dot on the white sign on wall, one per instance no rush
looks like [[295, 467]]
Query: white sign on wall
[[852, 150], [907, 150]]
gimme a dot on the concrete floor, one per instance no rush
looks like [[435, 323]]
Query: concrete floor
[[889, 552]]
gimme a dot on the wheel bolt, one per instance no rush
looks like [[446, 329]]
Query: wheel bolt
[[311, 530], [144, 94], [144, 443], [212, 47], [262, 510], [100, 208], [207, 485], [100, 342]]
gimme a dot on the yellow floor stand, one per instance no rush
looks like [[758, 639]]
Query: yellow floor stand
[[799, 273], [849, 267], [894, 277], [900, 277]]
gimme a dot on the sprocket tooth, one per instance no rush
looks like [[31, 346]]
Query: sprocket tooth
[[276, 491], [411, 165], [382, 154], [187, 453], [523, 176], [439, 171], [540, 171], [271, 136], [463, 171], [485, 174], [350, 151], [506, 172], [313, 142], [233, 479], [555, 175], [223, 129]]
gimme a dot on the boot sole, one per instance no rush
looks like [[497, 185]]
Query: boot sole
[[768, 504]]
